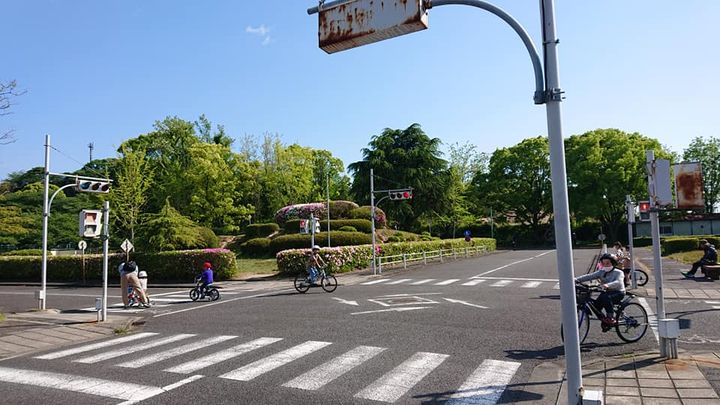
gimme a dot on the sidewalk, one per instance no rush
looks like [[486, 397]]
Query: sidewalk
[[27, 332], [675, 286]]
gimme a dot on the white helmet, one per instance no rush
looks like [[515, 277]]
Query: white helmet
[[142, 274], [316, 247]]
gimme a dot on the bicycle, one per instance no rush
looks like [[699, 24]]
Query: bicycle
[[632, 319], [211, 293], [328, 282], [641, 275]]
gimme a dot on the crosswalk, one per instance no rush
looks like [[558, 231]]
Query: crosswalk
[[714, 304], [496, 282], [386, 382]]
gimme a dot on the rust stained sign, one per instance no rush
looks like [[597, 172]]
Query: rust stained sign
[[355, 23], [689, 186]]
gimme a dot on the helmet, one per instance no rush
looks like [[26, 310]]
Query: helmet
[[608, 256], [207, 265], [142, 274], [316, 247]]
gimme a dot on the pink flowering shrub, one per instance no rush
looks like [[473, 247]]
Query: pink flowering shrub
[[300, 211]]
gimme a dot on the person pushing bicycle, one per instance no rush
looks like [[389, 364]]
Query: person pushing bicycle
[[612, 280], [314, 263]]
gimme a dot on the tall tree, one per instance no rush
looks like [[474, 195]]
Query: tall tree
[[404, 158], [707, 152], [130, 192], [603, 167], [8, 90], [518, 182]]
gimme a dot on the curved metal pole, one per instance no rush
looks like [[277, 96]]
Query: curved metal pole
[[539, 96], [55, 193]]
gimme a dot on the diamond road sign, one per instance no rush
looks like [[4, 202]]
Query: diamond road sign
[[126, 246]]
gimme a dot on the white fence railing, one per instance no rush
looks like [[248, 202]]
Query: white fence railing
[[425, 256]]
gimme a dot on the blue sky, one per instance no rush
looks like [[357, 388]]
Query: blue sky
[[105, 71]]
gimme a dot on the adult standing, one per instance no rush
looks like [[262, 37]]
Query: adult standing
[[129, 278]]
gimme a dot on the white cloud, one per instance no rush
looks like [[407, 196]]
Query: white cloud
[[262, 30]]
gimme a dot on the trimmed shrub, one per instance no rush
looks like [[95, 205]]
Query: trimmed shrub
[[341, 209], [301, 241], [642, 241], [299, 211], [23, 252], [261, 230], [670, 246], [360, 225], [163, 266], [347, 228], [256, 247], [364, 213], [208, 238]]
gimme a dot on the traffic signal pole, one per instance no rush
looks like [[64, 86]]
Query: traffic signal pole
[[372, 219], [106, 239], [46, 214]]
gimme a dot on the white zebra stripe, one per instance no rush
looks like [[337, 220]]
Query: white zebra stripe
[[87, 348], [132, 349], [262, 366], [218, 357], [382, 280], [446, 282], [325, 373], [157, 357], [531, 284], [398, 281], [501, 283], [474, 282], [486, 384], [427, 280], [556, 286], [394, 384]]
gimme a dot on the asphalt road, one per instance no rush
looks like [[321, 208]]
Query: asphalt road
[[421, 335]]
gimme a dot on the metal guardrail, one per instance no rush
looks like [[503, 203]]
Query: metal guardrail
[[424, 256]]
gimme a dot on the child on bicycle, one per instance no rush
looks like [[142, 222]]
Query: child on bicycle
[[314, 263], [206, 277], [612, 280]]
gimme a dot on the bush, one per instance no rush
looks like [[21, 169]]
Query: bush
[[642, 241], [300, 211], [347, 228], [301, 241], [256, 247], [261, 230], [208, 238], [23, 252], [364, 213], [670, 246], [360, 225], [164, 266], [341, 209]]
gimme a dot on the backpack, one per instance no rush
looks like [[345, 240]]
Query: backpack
[[129, 267]]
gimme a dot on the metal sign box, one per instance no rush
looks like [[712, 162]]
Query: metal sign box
[[354, 23]]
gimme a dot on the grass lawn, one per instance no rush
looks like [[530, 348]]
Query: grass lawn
[[687, 257], [2, 317], [264, 266]]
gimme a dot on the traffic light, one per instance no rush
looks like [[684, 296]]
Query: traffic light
[[644, 207], [90, 223], [400, 194], [92, 186]]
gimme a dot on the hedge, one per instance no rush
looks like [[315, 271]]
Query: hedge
[[261, 230], [347, 258], [674, 244], [347, 229], [256, 247], [364, 213], [23, 252], [300, 241], [163, 266], [341, 209], [300, 211], [361, 225]]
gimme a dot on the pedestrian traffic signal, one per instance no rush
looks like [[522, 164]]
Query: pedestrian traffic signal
[[400, 194], [92, 186], [644, 207], [90, 223]]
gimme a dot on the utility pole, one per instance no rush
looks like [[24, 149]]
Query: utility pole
[[372, 219], [91, 146], [328, 205]]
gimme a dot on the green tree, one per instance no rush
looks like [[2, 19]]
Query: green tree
[[169, 230], [129, 194], [518, 183], [404, 158], [707, 152], [603, 167], [14, 224]]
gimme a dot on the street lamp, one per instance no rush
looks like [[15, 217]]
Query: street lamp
[[345, 24]]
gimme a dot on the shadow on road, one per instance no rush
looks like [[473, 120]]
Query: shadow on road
[[511, 395], [543, 354]]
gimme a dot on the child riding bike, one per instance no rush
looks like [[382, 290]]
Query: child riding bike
[[206, 277], [314, 263], [612, 280]]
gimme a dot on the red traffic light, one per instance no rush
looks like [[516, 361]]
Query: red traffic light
[[644, 206], [407, 195]]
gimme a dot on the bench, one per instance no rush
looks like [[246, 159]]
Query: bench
[[712, 271]]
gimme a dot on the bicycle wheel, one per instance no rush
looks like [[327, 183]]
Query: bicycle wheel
[[214, 294], [194, 294], [301, 283], [641, 276], [329, 283], [632, 322], [583, 325]]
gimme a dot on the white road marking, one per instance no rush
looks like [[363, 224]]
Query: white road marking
[[87, 348], [394, 384], [474, 282], [501, 283], [145, 360], [382, 280], [132, 349], [218, 357], [556, 286], [517, 278], [325, 373], [164, 389], [402, 280], [349, 302], [262, 366], [713, 302], [222, 302], [75, 383], [401, 309], [486, 384], [427, 280], [531, 284], [447, 282], [513, 263], [651, 317], [464, 303]]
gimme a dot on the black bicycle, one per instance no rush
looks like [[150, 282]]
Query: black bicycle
[[327, 281], [642, 277], [632, 319]]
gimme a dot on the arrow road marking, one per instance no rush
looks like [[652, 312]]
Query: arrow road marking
[[464, 303], [342, 301], [390, 310]]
